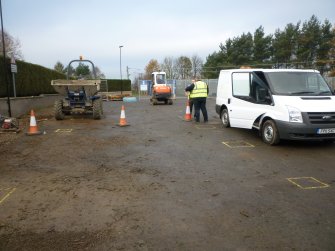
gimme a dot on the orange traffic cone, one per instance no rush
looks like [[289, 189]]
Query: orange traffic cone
[[188, 116], [33, 130], [123, 121]]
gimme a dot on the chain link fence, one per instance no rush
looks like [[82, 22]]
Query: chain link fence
[[178, 86]]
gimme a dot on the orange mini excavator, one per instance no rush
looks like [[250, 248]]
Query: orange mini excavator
[[161, 92]]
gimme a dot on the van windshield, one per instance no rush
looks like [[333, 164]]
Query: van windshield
[[298, 84]]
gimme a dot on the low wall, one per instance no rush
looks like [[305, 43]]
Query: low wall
[[23, 105]]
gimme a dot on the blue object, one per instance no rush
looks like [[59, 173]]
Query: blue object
[[129, 99]]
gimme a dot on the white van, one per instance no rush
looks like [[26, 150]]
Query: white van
[[280, 103]]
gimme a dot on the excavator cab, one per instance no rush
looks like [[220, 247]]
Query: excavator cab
[[159, 78], [161, 92]]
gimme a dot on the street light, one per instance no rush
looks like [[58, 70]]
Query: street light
[[4, 62], [121, 69]]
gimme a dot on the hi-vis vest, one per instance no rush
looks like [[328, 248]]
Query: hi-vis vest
[[199, 90]]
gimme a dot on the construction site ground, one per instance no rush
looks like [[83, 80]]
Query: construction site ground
[[161, 183]]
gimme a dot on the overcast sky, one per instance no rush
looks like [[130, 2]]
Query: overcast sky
[[62, 30]]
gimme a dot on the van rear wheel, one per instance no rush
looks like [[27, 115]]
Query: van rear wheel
[[225, 118], [270, 133]]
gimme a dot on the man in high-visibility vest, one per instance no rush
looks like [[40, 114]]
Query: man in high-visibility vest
[[198, 93], [187, 94]]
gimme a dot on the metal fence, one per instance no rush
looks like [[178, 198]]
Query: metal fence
[[213, 83], [178, 86]]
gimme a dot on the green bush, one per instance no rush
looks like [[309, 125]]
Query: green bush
[[30, 79]]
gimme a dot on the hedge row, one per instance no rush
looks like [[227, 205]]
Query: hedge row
[[33, 80], [30, 79], [115, 85]]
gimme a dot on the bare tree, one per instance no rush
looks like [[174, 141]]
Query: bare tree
[[69, 70], [13, 46], [183, 67], [197, 64], [167, 66], [99, 73]]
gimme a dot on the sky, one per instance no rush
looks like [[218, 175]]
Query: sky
[[62, 30]]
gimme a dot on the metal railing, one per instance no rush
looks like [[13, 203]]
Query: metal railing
[[178, 86]]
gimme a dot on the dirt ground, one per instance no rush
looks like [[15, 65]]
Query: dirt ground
[[161, 184]]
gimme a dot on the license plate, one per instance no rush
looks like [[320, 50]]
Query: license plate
[[326, 131]]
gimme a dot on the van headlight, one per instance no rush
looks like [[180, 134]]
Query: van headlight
[[294, 114]]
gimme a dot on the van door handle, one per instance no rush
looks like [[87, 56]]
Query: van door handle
[[229, 101]]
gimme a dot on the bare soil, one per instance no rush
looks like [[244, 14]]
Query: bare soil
[[160, 184]]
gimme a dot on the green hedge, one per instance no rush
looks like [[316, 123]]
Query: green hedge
[[33, 80], [114, 85], [30, 79], [3, 83]]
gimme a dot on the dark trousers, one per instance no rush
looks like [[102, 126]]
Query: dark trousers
[[190, 101], [200, 104]]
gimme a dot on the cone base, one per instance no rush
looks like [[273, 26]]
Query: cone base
[[187, 118], [122, 125], [33, 133]]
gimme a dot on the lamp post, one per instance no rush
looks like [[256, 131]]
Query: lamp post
[[121, 70], [4, 62]]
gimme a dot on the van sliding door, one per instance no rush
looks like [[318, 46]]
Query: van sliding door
[[245, 106]]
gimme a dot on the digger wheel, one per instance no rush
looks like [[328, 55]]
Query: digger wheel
[[154, 101], [170, 102], [97, 109], [102, 109], [58, 110]]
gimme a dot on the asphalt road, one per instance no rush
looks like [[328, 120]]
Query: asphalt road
[[162, 183]]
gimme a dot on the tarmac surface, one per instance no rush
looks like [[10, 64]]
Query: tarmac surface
[[162, 183]]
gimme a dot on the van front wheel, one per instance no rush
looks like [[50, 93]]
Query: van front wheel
[[270, 133], [225, 118]]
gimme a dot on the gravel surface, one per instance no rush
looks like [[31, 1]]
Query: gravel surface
[[161, 184]]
